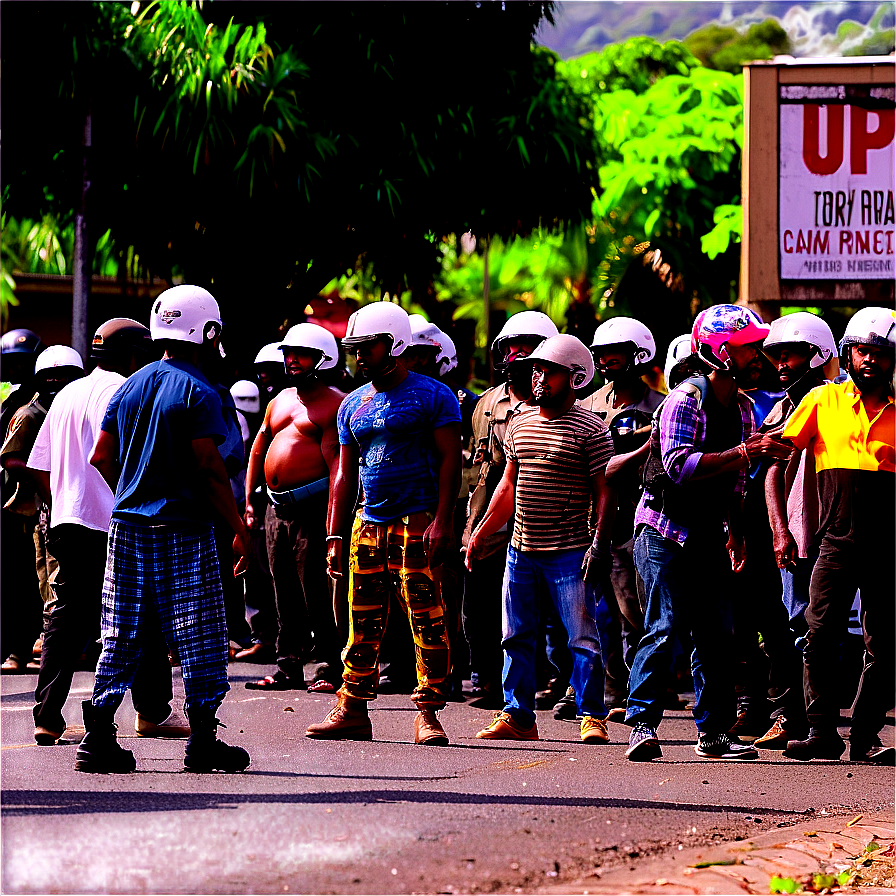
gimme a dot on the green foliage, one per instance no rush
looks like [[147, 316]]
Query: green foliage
[[634, 65], [729, 226], [727, 49], [673, 155], [881, 43]]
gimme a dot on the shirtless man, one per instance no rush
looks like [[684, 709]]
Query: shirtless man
[[297, 452]]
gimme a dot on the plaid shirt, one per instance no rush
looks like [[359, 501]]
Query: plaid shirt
[[682, 428]]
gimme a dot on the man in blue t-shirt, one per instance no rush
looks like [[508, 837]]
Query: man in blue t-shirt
[[158, 450], [401, 433]]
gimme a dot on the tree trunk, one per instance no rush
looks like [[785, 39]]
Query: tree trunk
[[81, 270]]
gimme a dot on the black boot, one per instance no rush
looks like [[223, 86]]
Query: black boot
[[205, 753], [99, 750]]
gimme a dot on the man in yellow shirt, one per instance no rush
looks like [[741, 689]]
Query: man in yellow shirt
[[848, 428]]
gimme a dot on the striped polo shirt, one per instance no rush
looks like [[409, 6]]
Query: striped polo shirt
[[556, 460]]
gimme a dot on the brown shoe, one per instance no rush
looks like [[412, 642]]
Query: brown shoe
[[775, 738], [347, 720], [428, 729], [46, 737], [504, 728], [594, 731]]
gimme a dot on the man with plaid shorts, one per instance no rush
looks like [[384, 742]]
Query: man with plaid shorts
[[158, 450], [402, 433]]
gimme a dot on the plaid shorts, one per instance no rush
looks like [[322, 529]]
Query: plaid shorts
[[163, 579]]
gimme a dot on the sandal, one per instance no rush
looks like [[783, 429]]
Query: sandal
[[12, 665], [276, 682], [322, 686]]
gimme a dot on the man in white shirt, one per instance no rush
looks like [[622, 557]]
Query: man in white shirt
[[82, 508]]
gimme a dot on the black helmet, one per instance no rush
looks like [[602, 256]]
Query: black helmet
[[119, 337], [20, 341]]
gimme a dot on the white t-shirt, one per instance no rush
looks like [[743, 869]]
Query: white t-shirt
[[64, 445]]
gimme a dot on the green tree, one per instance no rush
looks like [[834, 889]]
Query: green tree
[[727, 49], [262, 148]]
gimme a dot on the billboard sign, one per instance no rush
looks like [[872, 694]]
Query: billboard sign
[[837, 173]]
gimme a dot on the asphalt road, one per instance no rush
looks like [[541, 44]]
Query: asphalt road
[[381, 817]]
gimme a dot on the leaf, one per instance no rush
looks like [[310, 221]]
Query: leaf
[[783, 885]]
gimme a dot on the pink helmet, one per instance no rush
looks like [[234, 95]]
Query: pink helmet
[[721, 325]]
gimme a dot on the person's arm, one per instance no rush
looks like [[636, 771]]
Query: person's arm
[[343, 492], [758, 445], [255, 469], [105, 458], [599, 557], [783, 541], [41, 480], [438, 534], [622, 466], [216, 484], [499, 511]]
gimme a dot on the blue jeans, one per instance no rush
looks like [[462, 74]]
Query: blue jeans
[[685, 590], [557, 574]]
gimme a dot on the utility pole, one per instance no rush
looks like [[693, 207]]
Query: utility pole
[[81, 269]]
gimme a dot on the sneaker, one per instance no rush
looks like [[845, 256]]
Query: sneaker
[[594, 731], [872, 751], [643, 744], [816, 746], [176, 725], [723, 746], [750, 724], [503, 727], [776, 738], [565, 708]]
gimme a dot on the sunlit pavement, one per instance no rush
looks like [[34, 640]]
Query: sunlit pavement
[[391, 817]]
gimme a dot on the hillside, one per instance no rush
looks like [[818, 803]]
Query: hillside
[[824, 28]]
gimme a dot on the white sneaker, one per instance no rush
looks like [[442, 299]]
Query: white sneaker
[[176, 725]]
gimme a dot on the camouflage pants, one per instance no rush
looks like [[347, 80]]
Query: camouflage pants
[[386, 559]]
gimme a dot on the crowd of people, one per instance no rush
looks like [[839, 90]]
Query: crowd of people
[[573, 539]]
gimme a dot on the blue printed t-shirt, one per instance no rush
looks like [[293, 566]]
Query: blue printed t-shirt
[[156, 415], [393, 433]]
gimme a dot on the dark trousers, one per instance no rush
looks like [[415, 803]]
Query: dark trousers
[[21, 605], [482, 617], [297, 553], [625, 602], [867, 564], [768, 678], [74, 623], [234, 599]]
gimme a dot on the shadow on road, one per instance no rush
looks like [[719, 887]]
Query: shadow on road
[[17, 803]]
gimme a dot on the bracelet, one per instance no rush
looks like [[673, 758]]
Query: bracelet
[[742, 448], [334, 538]]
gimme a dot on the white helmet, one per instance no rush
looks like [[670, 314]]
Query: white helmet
[[246, 397], [870, 326], [802, 326], [446, 359], [187, 314], [270, 354], [423, 332], [623, 330], [315, 337], [570, 352], [379, 319], [679, 347], [535, 325], [58, 356]]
